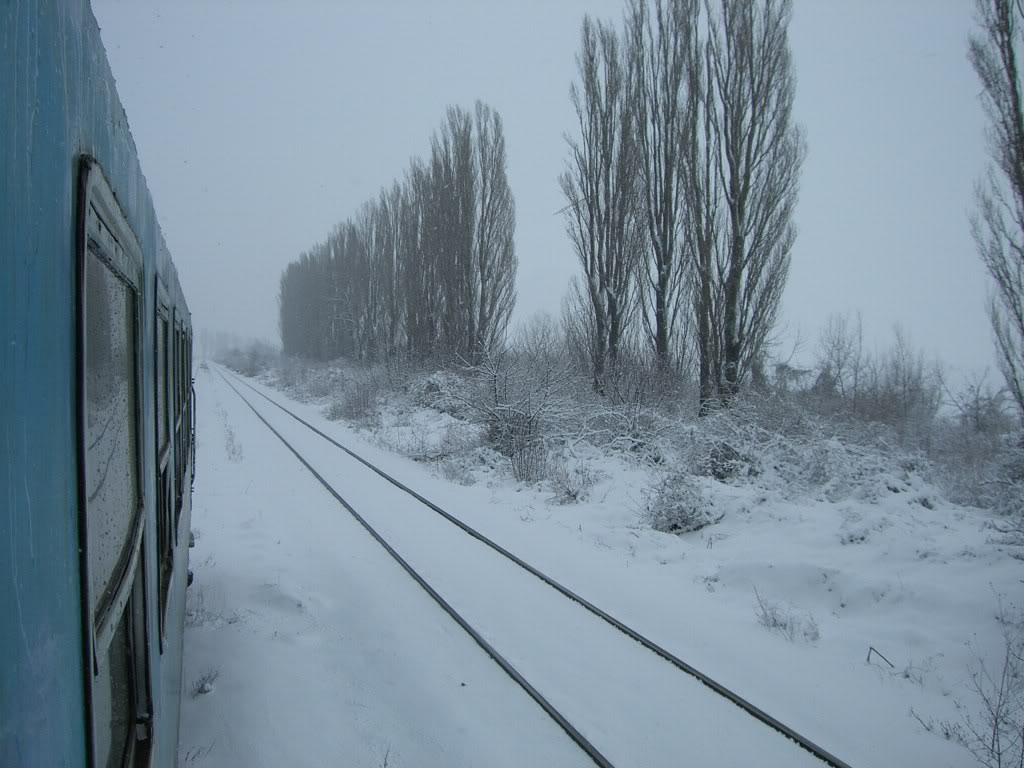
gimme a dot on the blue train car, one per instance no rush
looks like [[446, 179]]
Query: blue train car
[[96, 456]]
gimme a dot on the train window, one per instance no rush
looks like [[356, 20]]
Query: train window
[[191, 406], [179, 370], [181, 426], [173, 384], [164, 522], [119, 686], [183, 378], [113, 692], [111, 469], [188, 391], [182, 375], [161, 383], [110, 495], [177, 380], [165, 540], [164, 537]]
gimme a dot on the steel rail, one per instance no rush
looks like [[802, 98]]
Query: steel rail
[[750, 708], [581, 741]]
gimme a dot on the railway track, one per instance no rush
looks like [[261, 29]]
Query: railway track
[[498, 658], [574, 733]]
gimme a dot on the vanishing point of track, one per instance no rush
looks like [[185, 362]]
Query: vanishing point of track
[[756, 712]]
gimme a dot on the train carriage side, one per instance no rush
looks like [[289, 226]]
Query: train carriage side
[[95, 398]]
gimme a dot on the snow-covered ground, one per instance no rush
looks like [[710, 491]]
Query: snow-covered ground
[[322, 650], [328, 654]]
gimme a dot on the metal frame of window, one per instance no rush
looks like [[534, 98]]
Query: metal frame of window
[[192, 416], [166, 533], [181, 421], [190, 397], [103, 232]]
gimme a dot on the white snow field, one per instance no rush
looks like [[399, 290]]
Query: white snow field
[[329, 654], [325, 652]]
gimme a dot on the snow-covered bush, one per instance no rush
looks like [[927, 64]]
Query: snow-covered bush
[[636, 413], [291, 372], [320, 383], [519, 398], [977, 446], [335, 410], [780, 444], [529, 401], [1006, 494], [521, 440], [443, 391], [570, 483], [456, 471], [675, 503], [360, 395], [632, 430], [411, 439], [726, 444], [1006, 479], [459, 439]]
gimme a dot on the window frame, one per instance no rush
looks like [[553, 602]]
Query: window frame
[[162, 314], [100, 221], [166, 536], [178, 427]]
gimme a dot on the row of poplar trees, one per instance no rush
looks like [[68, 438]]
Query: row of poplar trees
[[426, 269], [681, 184]]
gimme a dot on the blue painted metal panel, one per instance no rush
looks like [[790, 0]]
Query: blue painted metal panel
[[57, 101]]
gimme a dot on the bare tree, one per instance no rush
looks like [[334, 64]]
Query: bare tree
[[372, 283], [760, 154], [600, 186], [299, 321], [387, 226], [419, 284], [841, 359], [994, 735], [702, 219], [449, 229], [980, 407], [660, 43], [428, 266], [998, 224], [494, 251]]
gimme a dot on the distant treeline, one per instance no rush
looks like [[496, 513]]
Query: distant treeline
[[427, 268]]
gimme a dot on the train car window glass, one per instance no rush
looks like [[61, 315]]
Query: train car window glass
[[120, 689], [172, 384], [111, 472], [188, 396], [165, 546], [182, 427], [182, 372], [178, 455], [164, 415], [161, 383], [179, 370], [177, 377], [113, 694]]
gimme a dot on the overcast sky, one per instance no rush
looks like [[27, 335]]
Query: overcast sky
[[260, 125]]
